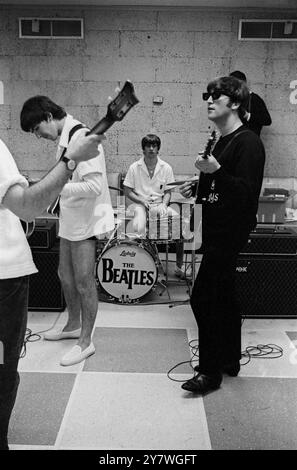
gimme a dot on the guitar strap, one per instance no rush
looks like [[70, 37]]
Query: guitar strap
[[54, 207], [197, 184], [224, 151], [232, 140], [71, 132]]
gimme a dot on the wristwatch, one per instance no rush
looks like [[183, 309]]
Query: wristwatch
[[71, 164]]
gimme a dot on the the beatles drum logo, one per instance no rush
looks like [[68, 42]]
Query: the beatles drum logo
[[127, 270], [126, 275]]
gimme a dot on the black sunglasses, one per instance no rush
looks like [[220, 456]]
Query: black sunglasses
[[214, 94]]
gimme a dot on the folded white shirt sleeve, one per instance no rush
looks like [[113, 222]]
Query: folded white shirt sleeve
[[9, 173], [89, 188]]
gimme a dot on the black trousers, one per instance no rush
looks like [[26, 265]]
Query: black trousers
[[13, 321], [217, 312]]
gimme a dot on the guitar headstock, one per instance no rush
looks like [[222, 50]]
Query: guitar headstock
[[117, 109], [210, 144], [122, 103]]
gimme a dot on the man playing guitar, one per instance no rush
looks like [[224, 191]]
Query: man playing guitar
[[229, 187], [85, 213]]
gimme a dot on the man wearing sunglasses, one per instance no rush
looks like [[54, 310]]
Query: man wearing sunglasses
[[229, 187]]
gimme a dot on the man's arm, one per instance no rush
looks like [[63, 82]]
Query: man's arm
[[89, 187], [131, 194], [27, 203], [166, 198]]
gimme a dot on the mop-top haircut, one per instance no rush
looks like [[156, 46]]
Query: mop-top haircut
[[37, 109], [151, 139], [234, 88]]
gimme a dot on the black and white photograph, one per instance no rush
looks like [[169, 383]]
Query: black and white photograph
[[148, 228]]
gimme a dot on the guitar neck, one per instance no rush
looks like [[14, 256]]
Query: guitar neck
[[102, 126], [209, 145]]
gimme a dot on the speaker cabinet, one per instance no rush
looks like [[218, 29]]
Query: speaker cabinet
[[44, 234], [271, 244], [266, 286], [45, 292]]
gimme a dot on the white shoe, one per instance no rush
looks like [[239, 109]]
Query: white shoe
[[183, 271], [76, 355], [56, 335]]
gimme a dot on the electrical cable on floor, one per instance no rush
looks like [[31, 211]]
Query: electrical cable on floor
[[194, 348], [33, 337], [29, 338], [261, 351]]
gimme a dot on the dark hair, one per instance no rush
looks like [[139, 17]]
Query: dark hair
[[151, 139], [239, 75], [234, 88], [37, 109]]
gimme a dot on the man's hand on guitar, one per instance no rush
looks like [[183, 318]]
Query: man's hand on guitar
[[207, 165], [84, 147], [186, 189]]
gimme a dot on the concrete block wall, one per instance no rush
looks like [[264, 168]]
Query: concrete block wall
[[167, 52]]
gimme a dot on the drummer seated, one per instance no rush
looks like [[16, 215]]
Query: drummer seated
[[144, 185]]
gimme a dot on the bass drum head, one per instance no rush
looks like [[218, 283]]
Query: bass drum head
[[127, 271]]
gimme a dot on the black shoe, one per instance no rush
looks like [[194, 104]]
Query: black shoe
[[203, 383], [232, 369]]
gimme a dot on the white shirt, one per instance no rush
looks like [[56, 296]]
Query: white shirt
[[85, 205], [15, 253], [138, 178]]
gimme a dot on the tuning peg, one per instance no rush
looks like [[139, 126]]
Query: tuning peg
[[116, 90]]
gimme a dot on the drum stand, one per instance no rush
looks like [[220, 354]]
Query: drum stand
[[165, 283], [191, 284], [162, 283]]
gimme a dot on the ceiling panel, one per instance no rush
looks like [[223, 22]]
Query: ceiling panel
[[282, 4]]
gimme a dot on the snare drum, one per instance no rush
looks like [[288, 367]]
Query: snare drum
[[127, 270]]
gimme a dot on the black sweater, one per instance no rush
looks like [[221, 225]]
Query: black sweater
[[259, 114], [230, 195]]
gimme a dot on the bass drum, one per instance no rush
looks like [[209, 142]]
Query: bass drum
[[127, 270]]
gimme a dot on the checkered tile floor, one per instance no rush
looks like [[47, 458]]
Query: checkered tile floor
[[122, 398]]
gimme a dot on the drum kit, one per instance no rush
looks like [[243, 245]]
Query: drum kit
[[128, 265]]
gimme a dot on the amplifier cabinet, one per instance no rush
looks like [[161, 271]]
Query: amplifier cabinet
[[267, 286], [45, 292], [44, 235], [271, 244]]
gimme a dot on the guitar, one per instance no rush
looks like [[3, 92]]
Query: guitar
[[196, 212], [206, 153], [116, 110], [210, 144]]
